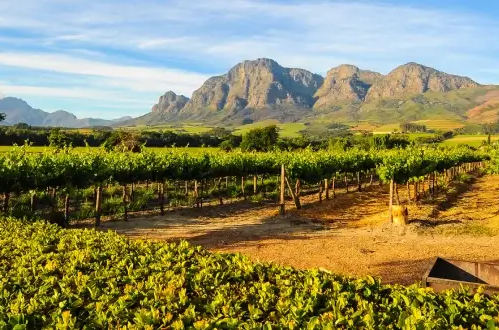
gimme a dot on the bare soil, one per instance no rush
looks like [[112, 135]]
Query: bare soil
[[348, 235]]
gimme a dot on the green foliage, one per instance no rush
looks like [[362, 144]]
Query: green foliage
[[74, 279], [260, 139], [57, 139], [412, 128]]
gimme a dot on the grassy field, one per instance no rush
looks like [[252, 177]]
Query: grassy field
[[440, 125], [435, 125], [471, 140], [288, 130]]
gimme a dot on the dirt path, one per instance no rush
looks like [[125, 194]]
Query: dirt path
[[348, 235]]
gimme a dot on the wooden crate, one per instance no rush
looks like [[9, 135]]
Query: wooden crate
[[443, 274]]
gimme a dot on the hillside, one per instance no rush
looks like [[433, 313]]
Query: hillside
[[260, 90], [19, 111]]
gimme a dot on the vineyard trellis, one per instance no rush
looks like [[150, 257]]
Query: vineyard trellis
[[68, 170]]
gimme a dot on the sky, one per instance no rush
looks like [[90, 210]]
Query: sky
[[114, 58]]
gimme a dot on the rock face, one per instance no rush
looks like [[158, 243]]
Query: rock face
[[413, 78], [256, 84], [170, 103], [345, 83]]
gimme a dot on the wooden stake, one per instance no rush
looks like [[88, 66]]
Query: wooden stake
[[326, 185], [397, 194], [254, 184], [320, 191], [298, 187], [359, 185], [346, 182], [66, 210], [333, 187], [408, 192], [242, 187], [98, 203], [221, 200], [33, 201], [196, 194], [295, 197], [391, 200], [161, 189], [125, 215], [282, 209]]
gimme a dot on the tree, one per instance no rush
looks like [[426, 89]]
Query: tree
[[260, 139], [2, 116], [58, 139], [123, 141], [232, 142]]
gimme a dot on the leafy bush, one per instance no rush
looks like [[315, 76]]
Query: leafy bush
[[67, 279]]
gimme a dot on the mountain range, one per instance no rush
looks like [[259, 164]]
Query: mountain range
[[19, 111], [262, 89]]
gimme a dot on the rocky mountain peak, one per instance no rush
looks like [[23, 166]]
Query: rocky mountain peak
[[414, 78], [345, 83], [258, 83], [170, 102]]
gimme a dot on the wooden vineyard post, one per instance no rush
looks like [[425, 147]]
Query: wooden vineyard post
[[161, 190], [98, 203], [359, 185], [254, 185], [326, 185], [226, 182], [298, 188], [132, 193], [262, 186], [202, 194], [186, 189], [125, 216], [33, 201], [196, 194], [346, 182], [397, 194], [320, 191], [66, 210], [391, 200], [282, 208], [333, 187], [242, 187], [221, 200], [408, 192], [371, 181], [294, 195], [416, 191]]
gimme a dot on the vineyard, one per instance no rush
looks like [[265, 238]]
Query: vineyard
[[70, 184], [60, 278], [74, 279]]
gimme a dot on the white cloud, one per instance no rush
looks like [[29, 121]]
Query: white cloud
[[139, 47], [132, 77], [61, 92]]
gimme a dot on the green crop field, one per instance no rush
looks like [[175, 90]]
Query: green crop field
[[441, 125], [287, 130], [435, 125], [471, 140]]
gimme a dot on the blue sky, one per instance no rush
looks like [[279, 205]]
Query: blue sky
[[111, 58]]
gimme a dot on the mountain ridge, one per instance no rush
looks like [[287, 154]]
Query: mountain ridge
[[19, 111], [263, 89]]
